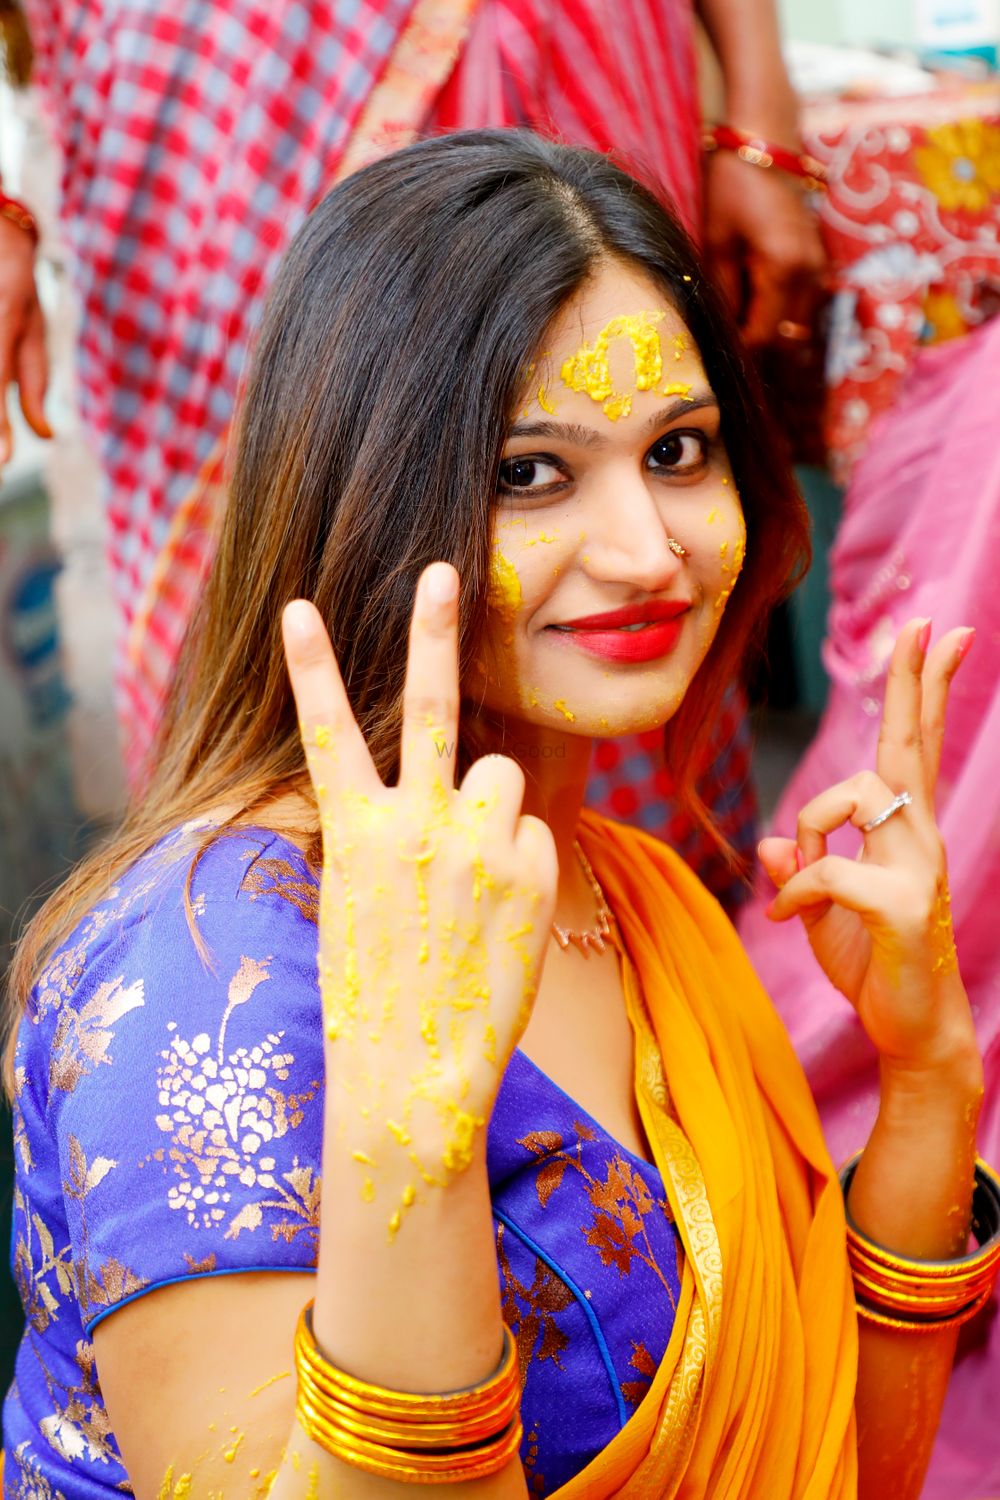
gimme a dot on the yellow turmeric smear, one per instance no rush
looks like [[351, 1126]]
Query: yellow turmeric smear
[[271, 1380], [505, 586], [171, 1490], [544, 402], [543, 536], [230, 1453], [461, 1138], [712, 517], [589, 369], [680, 345], [942, 934], [368, 1191], [678, 388], [567, 713]]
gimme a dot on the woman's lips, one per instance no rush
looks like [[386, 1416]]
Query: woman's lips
[[634, 634]]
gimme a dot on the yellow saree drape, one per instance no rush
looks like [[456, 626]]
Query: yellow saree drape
[[755, 1393]]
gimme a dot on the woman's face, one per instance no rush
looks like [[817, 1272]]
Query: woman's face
[[618, 532]]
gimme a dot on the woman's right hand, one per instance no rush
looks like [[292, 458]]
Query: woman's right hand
[[434, 912]]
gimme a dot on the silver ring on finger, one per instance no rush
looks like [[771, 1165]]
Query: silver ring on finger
[[896, 805]]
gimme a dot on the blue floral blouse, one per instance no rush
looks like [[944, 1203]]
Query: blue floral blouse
[[168, 1125]]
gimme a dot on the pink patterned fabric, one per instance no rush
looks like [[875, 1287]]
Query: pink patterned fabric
[[195, 138], [920, 536], [910, 224]]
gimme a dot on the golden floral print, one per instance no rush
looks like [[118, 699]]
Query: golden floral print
[[29, 1483], [110, 1281], [645, 1364], [22, 1145], [222, 1110], [277, 877], [622, 1203], [35, 1262], [82, 1037], [79, 1427], [530, 1311], [61, 975]]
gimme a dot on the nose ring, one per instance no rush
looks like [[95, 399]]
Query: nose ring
[[676, 547]]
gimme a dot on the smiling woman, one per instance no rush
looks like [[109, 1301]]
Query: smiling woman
[[579, 1231]]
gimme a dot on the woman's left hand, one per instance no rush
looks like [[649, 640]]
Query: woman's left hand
[[880, 925]]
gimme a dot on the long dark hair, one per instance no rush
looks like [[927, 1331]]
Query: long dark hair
[[387, 368]]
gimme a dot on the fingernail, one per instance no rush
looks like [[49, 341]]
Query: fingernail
[[441, 583], [298, 619], [965, 644], [924, 637], [800, 863]]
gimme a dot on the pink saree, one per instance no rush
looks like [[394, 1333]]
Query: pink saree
[[920, 536]]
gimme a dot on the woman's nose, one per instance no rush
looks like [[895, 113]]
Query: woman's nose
[[631, 543]]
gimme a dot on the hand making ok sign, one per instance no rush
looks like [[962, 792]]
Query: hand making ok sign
[[880, 925]]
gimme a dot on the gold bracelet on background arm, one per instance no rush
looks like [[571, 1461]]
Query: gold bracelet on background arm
[[418, 1439], [927, 1296], [14, 210]]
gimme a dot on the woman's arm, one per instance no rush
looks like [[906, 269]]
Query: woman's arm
[[912, 1193], [880, 926], [199, 1378], [434, 909]]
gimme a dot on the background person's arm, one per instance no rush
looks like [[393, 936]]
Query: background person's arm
[[760, 234]]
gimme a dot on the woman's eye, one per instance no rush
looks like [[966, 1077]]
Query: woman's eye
[[681, 452], [522, 475]]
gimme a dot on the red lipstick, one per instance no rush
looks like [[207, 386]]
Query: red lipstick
[[635, 633]]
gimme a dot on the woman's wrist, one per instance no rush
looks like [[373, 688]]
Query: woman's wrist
[[944, 1079]]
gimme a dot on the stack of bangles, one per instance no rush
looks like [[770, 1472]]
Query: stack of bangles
[[927, 1296], [760, 153], [437, 1439]]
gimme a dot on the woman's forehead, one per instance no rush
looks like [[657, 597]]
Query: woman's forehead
[[614, 291], [618, 340]]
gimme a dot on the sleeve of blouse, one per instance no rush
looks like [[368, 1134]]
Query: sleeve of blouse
[[187, 1106]]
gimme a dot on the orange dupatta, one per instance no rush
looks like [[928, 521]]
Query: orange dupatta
[[755, 1393]]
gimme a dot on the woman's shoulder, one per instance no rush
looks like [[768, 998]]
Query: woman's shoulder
[[180, 919]]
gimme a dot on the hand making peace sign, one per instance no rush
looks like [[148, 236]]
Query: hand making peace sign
[[434, 910], [880, 925]]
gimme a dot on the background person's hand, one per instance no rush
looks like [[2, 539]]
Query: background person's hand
[[23, 359], [763, 245], [880, 925]]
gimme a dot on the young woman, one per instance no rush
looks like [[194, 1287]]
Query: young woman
[[494, 406]]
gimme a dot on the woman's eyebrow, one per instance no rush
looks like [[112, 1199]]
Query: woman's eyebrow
[[589, 437]]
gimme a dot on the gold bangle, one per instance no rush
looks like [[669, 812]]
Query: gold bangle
[[418, 1439], [16, 212], [896, 1291], [933, 1324]]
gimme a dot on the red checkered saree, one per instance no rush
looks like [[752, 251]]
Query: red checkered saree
[[196, 136]]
